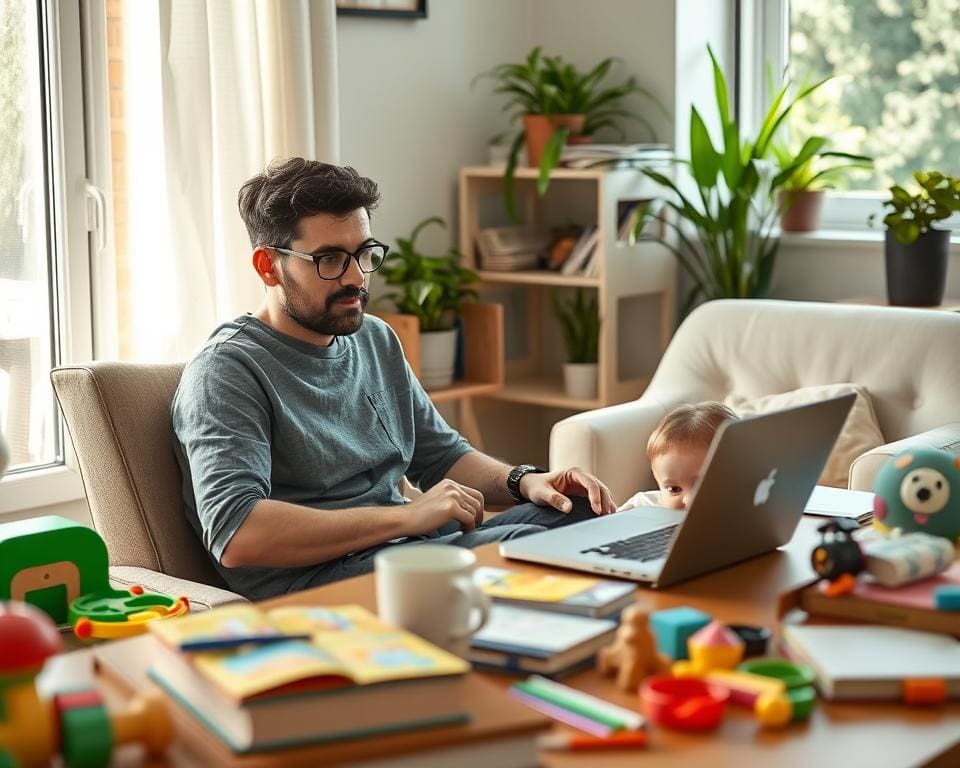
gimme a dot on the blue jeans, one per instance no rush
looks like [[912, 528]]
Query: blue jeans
[[518, 521]]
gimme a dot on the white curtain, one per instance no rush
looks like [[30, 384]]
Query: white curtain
[[215, 90]]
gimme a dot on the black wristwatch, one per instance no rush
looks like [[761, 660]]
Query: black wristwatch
[[513, 480]]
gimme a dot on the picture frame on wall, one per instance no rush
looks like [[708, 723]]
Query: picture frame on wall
[[390, 9]]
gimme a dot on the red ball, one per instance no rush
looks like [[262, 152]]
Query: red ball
[[28, 637]]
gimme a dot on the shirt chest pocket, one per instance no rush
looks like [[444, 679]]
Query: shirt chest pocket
[[388, 404]]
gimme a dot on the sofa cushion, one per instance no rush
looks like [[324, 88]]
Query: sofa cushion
[[860, 432]]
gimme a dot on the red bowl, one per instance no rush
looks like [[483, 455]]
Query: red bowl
[[683, 703]]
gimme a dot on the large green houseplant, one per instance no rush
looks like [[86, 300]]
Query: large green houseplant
[[431, 288], [579, 318], [915, 252], [731, 244], [555, 101]]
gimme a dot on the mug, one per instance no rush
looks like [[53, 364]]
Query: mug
[[429, 590]]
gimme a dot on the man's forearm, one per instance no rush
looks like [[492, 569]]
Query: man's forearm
[[281, 535], [486, 474]]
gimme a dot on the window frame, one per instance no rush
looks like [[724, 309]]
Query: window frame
[[763, 30], [70, 221]]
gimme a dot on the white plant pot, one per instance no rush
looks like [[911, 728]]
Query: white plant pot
[[580, 380], [438, 352]]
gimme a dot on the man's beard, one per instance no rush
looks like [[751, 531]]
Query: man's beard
[[330, 322]]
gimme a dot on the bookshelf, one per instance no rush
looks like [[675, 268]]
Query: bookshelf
[[635, 284]]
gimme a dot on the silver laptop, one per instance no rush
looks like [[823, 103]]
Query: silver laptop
[[757, 477]]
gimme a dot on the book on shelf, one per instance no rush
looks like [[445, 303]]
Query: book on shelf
[[826, 501], [353, 677], [522, 640], [577, 595], [873, 663], [616, 155], [627, 220], [581, 252], [497, 730], [911, 605], [507, 249]]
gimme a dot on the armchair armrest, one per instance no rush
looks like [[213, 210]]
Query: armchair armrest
[[201, 596], [611, 443], [864, 469]]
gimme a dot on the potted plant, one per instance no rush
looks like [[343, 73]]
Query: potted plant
[[557, 104], [580, 322], [731, 250], [432, 289], [801, 197], [915, 253]]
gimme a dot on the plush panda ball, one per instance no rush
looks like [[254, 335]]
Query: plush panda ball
[[919, 490]]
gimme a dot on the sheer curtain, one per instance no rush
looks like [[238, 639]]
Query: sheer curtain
[[215, 90]]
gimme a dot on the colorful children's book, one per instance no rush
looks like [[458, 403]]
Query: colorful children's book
[[524, 640], [353, 676], [559, 593]]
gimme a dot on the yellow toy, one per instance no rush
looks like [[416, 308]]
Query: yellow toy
[[713, 647], [74, 724], [632, 656]]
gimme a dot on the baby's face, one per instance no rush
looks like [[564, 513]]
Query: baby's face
[[676, 472]]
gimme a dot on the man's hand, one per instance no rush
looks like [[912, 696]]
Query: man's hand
[[552, 489], [447, 500]]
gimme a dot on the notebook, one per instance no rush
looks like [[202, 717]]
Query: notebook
[[521, 640], [870, 662], [826, 501], [578, 595]]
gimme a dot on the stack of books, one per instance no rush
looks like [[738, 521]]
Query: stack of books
[[540, 590], [293, 676], [581, 260], [508, 249], [615, 155], [826, 501]]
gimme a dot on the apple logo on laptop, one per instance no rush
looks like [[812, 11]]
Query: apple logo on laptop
[[762, 494]]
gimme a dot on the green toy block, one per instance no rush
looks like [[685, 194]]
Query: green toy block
[[49, 561], [673, 626], [87, 737], [6, 759]]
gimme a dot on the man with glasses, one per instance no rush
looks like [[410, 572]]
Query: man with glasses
[[295, 424]]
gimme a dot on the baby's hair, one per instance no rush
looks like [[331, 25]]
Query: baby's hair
[[690, 425]]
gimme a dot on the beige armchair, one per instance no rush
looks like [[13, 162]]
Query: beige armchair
[[118, 415], [907, 359]]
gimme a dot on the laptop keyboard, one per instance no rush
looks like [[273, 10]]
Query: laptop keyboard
[[646, 546]]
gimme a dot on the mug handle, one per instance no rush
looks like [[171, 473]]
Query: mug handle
[[478, 600]]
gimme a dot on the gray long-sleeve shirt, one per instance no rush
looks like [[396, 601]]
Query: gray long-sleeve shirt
[[261, 415]]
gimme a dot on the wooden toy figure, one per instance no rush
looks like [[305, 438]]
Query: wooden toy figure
[[632, 656], [919, 490]]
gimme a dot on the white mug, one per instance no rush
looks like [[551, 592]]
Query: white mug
[[429, 590]]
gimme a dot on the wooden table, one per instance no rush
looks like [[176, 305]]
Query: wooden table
[[847, 735], [873, 736]]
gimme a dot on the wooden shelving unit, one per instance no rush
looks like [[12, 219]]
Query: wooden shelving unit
[[632, 281], [483, 359]]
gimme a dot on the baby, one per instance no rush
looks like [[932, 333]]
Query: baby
[[676, 451]]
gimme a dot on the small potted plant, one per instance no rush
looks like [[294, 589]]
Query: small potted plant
[[557, 104], [801, 196], [432, 289], [580, 322], [915, 253]]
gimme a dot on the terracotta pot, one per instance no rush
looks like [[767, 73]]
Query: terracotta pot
[[800, 210], [539, 129]]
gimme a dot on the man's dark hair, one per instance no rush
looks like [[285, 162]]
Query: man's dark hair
[[273, 202]]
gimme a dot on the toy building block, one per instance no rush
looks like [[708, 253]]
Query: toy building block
[[947, 597], [713, 647], [50, 561], [632, 656], [766, 697], [673, 626]]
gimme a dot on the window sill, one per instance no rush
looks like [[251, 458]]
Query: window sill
[[868, 239], [23, 492]]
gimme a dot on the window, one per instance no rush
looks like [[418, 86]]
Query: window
[[895, 92], [45, 307]]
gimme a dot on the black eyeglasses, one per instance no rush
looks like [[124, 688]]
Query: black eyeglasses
[[332, 265]]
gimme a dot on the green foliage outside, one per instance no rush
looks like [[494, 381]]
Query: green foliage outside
[[431, 287], [938, 198], [579, 319], [13, 90], [896, 92]]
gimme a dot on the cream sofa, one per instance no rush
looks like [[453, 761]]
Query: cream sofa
[[907, 359]]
